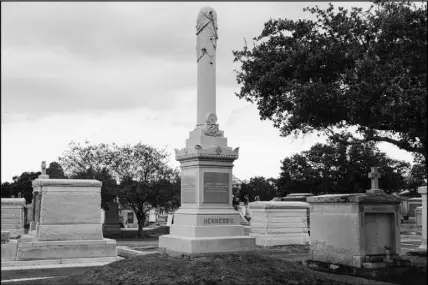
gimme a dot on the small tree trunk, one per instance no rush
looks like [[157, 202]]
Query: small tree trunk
[[140, 226]]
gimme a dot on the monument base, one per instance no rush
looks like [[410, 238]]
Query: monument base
[[52, 250], [282, 239], [178, 245]]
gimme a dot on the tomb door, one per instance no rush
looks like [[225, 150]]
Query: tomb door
[[378, 233]]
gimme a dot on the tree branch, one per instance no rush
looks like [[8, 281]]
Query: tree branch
[[371, 137]]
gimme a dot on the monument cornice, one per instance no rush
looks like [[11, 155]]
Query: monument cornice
[[206, 156], [209, 153], [67, 182]]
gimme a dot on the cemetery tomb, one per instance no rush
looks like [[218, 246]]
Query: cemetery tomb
[[206, 222], [348, 229], [279, 223], [67, 225], [413, 203], [12, 215], [355, 229]]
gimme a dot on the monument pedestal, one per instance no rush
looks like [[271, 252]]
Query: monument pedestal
[[206, 223]]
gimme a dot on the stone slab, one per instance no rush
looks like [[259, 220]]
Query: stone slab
[[281, 240], [9, 251], [171, 244], [37, 251], [67, 183], [207, 231], [58, 209], [70, 232], [358, 198]]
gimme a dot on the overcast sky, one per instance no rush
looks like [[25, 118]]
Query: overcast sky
[[126, 72]]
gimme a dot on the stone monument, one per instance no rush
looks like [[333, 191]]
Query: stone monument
[[67, 227], [279, 223], [12, 215], [356, 230], [206, 222]]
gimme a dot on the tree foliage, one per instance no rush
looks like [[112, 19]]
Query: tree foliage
[[258, 188], [365, 70], [23, 183], [137, 174], [55, 171], [335, 168]]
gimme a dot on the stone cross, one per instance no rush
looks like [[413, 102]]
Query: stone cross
[[374, 175], [43, 175], [206, 45]]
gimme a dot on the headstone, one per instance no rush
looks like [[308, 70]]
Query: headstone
[[206, 221], [279, 223], [111, 226], [12, 215], [423, 191]]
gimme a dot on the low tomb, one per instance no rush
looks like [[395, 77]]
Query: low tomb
[[12, 215], [66, 227], [279, 223], [356, 230]]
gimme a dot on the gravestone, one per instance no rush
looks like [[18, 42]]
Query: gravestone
[[111, 226], [206, 222], [356, 230], [279, 223], [423, 191], [12, 215]]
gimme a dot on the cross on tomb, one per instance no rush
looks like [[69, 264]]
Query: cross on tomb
[[43, 175], [374, 175]]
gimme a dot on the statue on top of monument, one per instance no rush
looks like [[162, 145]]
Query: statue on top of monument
[[206, 31]]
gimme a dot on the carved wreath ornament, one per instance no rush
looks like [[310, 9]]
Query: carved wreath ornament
[[211, 128]]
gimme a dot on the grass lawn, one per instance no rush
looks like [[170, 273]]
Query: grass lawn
[[251, 268]]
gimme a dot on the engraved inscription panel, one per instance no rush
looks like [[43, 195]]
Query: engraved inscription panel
[[216, 187], [188, 187]]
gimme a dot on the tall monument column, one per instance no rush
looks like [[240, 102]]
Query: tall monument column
[[206, 45], [206, 222]]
